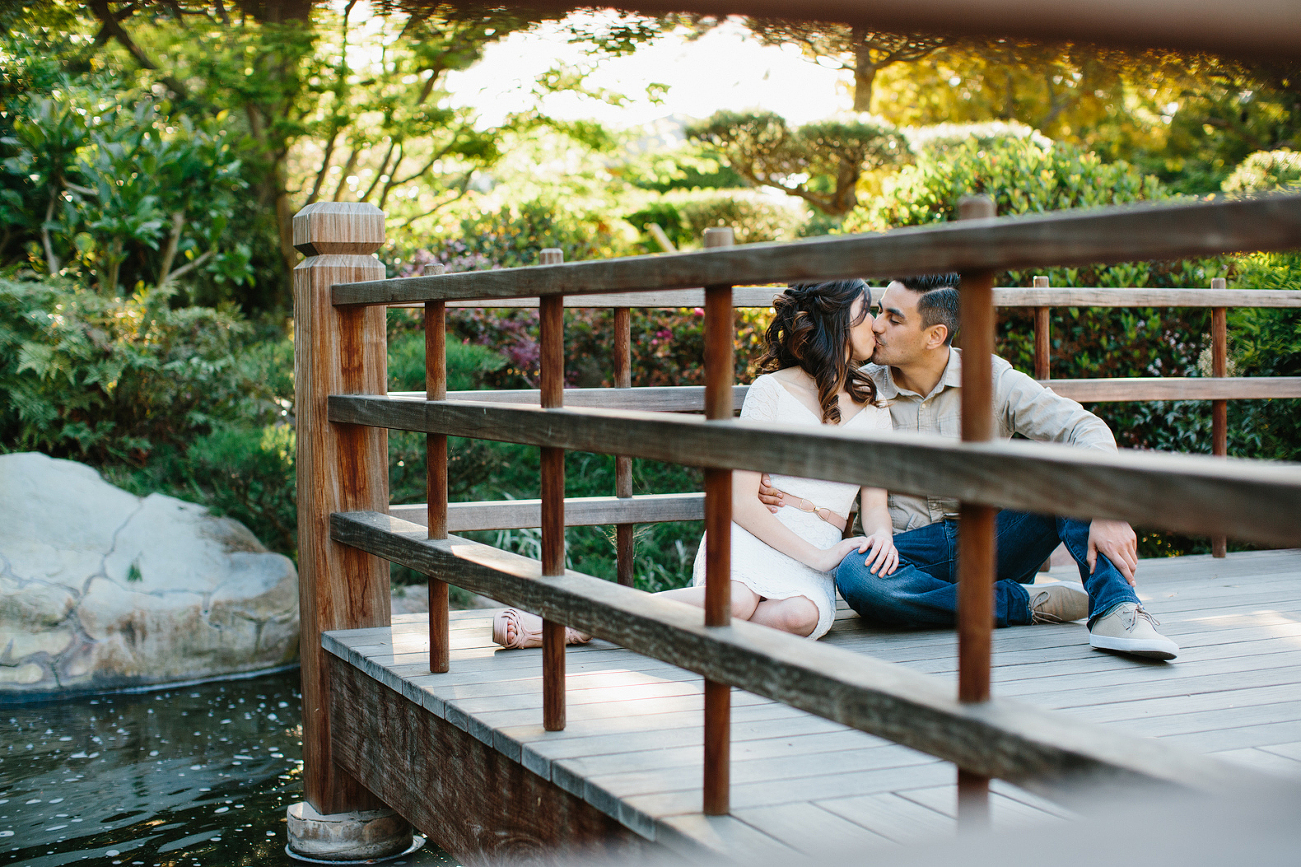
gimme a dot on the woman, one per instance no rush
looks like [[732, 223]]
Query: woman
[[782, 563]]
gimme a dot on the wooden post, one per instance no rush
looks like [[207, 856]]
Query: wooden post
[[551, 324], [436, 473], [341, 468], [623, 533], [1042, 342], [976, 556], [719, 336], [1219, 408]]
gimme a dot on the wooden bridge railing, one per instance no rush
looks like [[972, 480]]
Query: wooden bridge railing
[[625, 510], [342, 470]]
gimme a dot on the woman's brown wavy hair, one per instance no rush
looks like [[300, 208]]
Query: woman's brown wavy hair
[[811, 331]]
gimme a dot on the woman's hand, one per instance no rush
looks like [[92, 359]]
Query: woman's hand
[[827, 559], [884, 557]]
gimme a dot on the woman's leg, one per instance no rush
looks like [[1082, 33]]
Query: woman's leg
[[744, 600], [744, 603], [797, 615]]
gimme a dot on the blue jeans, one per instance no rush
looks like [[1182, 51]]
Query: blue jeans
[[923, 591]]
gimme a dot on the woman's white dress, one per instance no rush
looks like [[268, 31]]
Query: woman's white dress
[[765, 570]]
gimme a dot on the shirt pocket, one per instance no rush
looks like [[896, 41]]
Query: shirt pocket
[[950, 425]]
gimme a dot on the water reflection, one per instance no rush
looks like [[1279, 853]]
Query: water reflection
[[200, 775]]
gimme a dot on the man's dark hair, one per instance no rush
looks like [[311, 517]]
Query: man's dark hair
[[938, 304]]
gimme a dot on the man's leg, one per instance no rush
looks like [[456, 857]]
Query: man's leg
[[1117, 621], [1106, 587], [922, 592]]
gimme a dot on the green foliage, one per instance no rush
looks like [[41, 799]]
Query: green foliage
[[684, 216], [819, 162], [467, 364], [1266, 342], [515, 236], [98, 187], [94, 377], [1265, 170], [684, 168], [1023, 173]]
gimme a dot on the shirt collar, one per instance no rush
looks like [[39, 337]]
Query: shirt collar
[[887, 389]]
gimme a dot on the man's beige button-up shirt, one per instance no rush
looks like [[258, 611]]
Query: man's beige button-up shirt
[[1021, 406]]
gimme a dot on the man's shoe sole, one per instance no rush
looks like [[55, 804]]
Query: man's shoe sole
[[1135, 647]]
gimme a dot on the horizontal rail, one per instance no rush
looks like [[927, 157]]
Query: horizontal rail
[[579, 512], [1062, 238], [691, 398], [742, 296], [1255, 501], [1017, 296], [1004, 296], [1177, 388], [659, 398], [999, 738]]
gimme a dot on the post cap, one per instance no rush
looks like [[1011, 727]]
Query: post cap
[[719, 236], [976, 208], [551, 256], [338, 227]]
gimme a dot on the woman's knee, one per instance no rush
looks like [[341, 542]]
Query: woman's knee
[[744, 601], [801, 616]]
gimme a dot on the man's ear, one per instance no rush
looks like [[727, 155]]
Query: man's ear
[[936, 335]]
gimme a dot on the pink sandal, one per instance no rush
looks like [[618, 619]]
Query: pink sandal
[[528, 630]]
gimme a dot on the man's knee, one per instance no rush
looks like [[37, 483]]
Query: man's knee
[[858, 585]]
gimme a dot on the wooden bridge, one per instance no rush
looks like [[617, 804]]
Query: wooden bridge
[[680, 729]]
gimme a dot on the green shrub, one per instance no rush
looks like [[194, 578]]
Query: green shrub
[[1265, 170], [1022, 174], [1266, 342], [753, 217], [102, 378]]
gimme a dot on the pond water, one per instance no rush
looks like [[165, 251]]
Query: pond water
[[183, 776]]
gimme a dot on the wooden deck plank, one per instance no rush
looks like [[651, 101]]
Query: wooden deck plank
[[1004, 812], [1291, 751], [726, 836], [1259, 759], [891, 816], [801, 789], [810, 829], [632, 748], [641, 774], [1236, 738]]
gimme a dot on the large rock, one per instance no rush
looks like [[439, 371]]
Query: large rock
[[101, 589]]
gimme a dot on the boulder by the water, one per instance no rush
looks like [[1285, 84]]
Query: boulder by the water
[[101, 589]]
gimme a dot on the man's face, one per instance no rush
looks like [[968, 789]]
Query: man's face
[[900, 338]]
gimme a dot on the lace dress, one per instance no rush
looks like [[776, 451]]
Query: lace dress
[[765, 570]]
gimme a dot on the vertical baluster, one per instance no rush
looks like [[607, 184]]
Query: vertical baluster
[[1042, 358], [1042, 336], [436, 473], [719, 337], [551, 323], [976, 556], [622, 463], [1219, 408]]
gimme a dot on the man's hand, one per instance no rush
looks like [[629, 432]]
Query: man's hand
[[1116, 541], [770, 496]]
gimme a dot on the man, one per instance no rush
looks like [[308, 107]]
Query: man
[[919, 375]]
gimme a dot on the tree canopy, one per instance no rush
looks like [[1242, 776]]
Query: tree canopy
[[820, 163]]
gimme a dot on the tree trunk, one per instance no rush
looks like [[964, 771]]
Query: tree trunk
[[864, 72]]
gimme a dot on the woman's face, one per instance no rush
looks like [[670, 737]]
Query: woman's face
[[862, 339]]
